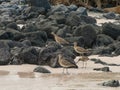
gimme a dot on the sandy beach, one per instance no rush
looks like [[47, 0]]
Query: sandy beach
[[22, 77]]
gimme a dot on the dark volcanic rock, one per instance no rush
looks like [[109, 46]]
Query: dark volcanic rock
[[116, 47], [105, 51], [118, 39], [47, 26], [10, 44], [63, 32], [10, 34], [40, 3], [14, 34], [68, 51], [88, 19], [103, 40], [59, 17], [32, 12], [88, 32], [73, 20], [30, 27], [79, 40], [104, 69], [111, 30], [12, 25], [82, 10], [4, 56], [98, 61], [15, 58], [72, 7], [109, 15], [29, 55], [111, 83], [41, 70], [37, 38], [58, 8], [48, 53]]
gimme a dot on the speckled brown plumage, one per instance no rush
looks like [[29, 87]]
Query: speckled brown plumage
[[84, 59], [79, 50], [59, 40], [65, 63]]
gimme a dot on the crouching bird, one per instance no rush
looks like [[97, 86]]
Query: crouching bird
[[65, 63]]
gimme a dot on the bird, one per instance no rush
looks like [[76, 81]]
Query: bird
[[59, 39], [84, 59], [65, 63], [79, 49]]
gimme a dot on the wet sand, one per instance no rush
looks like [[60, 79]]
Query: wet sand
[[22, 77]]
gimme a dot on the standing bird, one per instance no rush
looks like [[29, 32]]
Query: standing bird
[[79, 50], [59, 40], [84, 59], [65, 63]]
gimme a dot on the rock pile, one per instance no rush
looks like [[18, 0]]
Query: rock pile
[[32, 41]]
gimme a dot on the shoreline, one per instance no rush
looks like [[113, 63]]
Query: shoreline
[[23, 77]]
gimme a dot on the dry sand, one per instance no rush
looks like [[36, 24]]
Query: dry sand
[[22, 77]]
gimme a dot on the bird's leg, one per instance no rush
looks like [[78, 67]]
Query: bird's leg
[[85, 64], [67, 71], [63, 71]]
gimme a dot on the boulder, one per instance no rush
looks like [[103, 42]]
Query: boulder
[[111, 83], [98, 61], [41, 70], [4, 56], [73, 20], [79, 39], [88, 32], [32, 12], [88, 19], [29, 27], [103, 40], [14, 34], [10, 44], [29, 55], [58, 8], [105, 51], [111, 30], [47, 53], [109, 15], [82, 10], [10, 34], [47, 26], [104, 69], [59, 17], [39, 3], [63, 32], [72, 7], [116, 47], [12, 25], [15, 56], [37, 38]]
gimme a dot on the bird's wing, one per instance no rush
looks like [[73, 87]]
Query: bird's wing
[[80, 49], [63, 41], [67, 63]]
